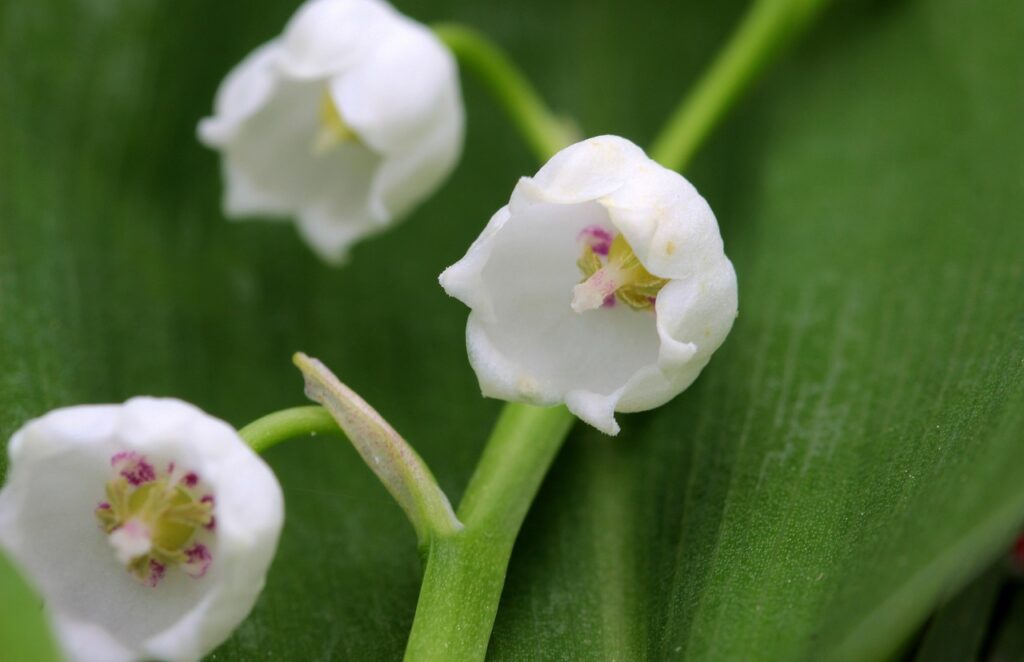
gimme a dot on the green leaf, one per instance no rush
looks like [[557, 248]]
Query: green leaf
[[959, 629], [24, 632], [850, 457], [1008, 643]]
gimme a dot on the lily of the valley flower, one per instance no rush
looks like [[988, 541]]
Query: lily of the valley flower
[[348, 120], [146, 527], [603, 285]]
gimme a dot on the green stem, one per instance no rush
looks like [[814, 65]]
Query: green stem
[[465, 571], [766, 29], [272, 429], [544, 132]]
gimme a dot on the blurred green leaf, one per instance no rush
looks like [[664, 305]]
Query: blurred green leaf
[[849, 458], [1008, 640], [24, 633], [958, 631]]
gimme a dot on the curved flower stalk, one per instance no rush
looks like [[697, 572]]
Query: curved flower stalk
[[602, 285], [402, 471], [346, 121], [147, 527]]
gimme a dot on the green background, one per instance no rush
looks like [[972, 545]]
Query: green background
[[851, 456]]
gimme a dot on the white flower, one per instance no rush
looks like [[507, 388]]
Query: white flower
[[345, 122], [657, 296], [147, 527]]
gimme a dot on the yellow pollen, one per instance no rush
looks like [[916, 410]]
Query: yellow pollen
[[622, 275]]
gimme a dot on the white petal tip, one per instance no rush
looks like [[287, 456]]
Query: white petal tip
[[594, 410], [456, 282], [608, 426]]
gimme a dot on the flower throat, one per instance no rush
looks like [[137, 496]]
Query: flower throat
[[620, 276]]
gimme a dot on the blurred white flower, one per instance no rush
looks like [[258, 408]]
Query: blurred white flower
[[147, 527], [602, 285], [346, 121]]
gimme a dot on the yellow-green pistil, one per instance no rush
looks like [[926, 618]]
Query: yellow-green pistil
[[151, 525], [622, 277], [334, 130]]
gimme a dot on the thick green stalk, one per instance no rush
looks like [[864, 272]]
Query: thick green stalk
[[767, 27], [543, 131], [465, 571]]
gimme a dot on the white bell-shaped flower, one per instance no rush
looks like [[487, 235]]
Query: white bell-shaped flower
[[603, 285], [345, 122], [147, 527]]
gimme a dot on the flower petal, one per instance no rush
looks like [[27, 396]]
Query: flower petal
[[345, 123], [327, 37], [589, 170], [525, 341], [401, 90], [59, 465], [243, 93], [330, 229]]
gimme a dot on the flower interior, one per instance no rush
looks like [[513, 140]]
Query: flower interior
[[155, 520], [334, 130], [612, 271]]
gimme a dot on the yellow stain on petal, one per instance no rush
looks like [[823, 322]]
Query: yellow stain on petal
[[527, 386], [334, 130]]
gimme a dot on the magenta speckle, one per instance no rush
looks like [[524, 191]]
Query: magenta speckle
[[123, 456], [599, 239], [140, 473], [199, 560], [103, 505], [135, 469], [190, 479], [609, 301], [157, 571], [213, 520], [170, 468]]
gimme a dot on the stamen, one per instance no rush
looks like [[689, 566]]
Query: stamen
[[199, 560], [133, 468], [152, 524], [622, 276], [334, 130], [156, 571], [212, 524], [597, 238]]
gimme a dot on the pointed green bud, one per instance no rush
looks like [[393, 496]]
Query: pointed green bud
[[403, 472]]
